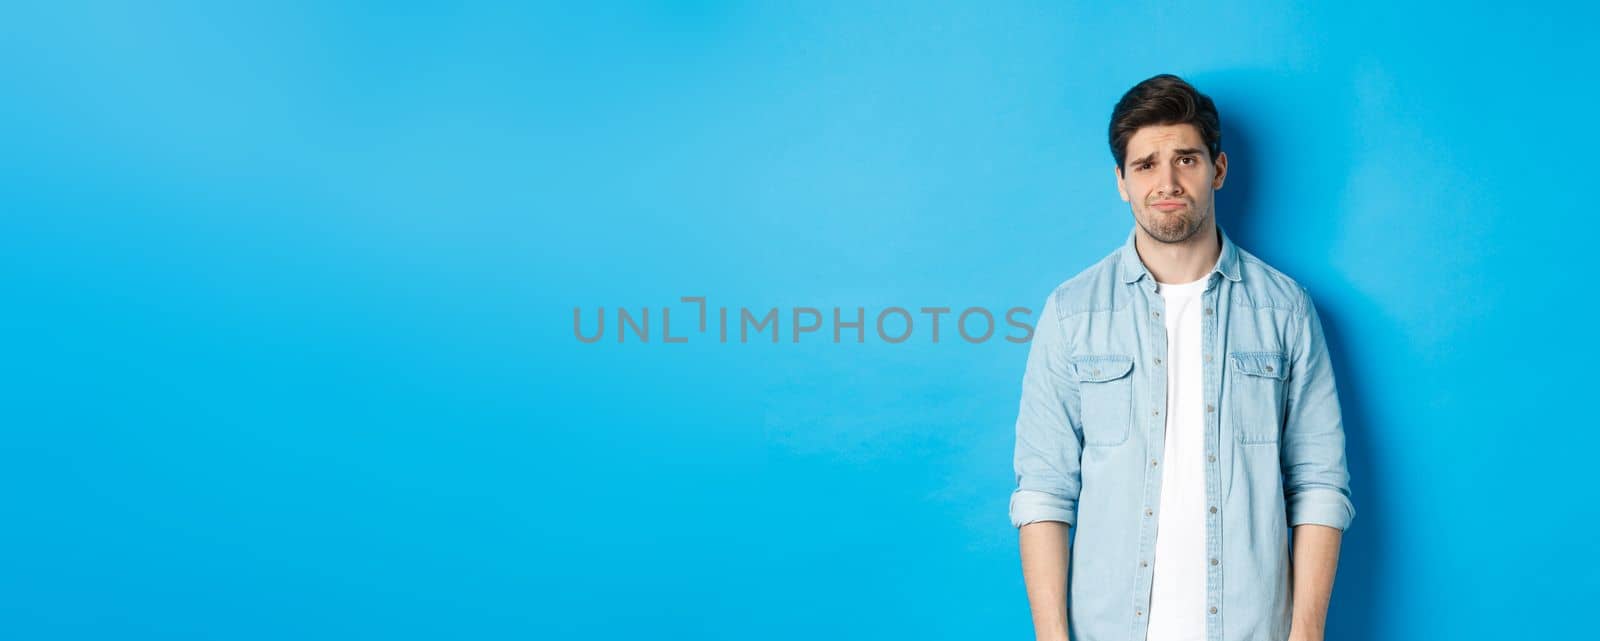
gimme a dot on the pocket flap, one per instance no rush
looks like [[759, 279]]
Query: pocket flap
[[1268, 364], [1098, 368]]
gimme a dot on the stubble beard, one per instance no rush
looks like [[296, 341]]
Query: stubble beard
[[1175, 227]]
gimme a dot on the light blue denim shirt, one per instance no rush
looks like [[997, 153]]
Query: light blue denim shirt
[[1091, 430]]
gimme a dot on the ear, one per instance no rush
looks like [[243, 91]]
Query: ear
[[1222, 170], [1122, 188]]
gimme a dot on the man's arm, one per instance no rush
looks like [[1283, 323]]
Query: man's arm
[[1044, 504], [1045, 557], [1316, 557], [1315, 479]]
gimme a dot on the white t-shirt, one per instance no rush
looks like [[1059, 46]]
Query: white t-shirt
[[1178, 588]]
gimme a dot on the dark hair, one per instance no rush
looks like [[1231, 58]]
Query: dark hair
[[1163, 100]]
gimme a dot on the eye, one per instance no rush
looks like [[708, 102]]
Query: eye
[[1141, 166], [1187, 160]]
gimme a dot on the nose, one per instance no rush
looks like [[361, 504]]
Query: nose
[[1169, 182]]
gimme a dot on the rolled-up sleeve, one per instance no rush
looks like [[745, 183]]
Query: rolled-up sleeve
[[1316, 480], [1049, 442]]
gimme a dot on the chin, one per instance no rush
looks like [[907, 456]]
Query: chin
[[1168, 230]]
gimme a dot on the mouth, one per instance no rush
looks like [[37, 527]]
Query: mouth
[[1169, 205]]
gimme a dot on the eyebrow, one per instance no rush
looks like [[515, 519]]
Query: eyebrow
[[1186, 151]]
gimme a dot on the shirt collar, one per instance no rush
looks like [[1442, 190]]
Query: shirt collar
[[1132, 269]]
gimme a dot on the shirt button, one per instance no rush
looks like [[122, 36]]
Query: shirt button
[[1158, 360], [1213, 610], [1208, 311], [1208, 358], [1147, 512], [1213, 509], [1144, 564], [1211, 457], [1269, 368], [1211, 408], [1155, 412], [1138, 613], [1152, 462], [1213, 561], [1157, 314]]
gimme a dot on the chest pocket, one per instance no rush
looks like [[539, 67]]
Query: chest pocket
[[1105, 393], [1258, 390]]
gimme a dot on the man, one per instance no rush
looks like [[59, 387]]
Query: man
[[1179, 414]]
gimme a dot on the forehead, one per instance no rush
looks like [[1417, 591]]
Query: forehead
[[1154, 138]]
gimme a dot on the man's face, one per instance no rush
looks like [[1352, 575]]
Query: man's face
[[1168, 180]]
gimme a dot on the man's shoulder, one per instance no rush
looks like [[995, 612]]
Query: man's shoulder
[[1089, 290], [1266, 287]]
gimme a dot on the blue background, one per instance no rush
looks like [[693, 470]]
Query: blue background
[[289, 291]]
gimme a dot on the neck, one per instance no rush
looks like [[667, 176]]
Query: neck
[[1182, 262]]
